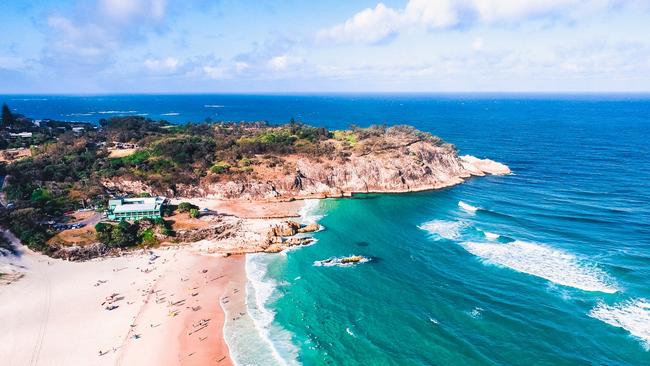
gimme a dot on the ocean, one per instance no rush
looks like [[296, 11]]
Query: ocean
[[547, 266]]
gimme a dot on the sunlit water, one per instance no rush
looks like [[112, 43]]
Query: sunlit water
[[550, 265]]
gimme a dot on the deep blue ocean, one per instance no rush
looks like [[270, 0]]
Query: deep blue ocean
[[547, 266]]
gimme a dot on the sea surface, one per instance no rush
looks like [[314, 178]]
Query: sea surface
[[547, 266]]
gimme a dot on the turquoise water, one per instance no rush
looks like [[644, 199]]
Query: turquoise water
[[548, 266]]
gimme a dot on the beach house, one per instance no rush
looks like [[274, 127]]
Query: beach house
[[132, 209]]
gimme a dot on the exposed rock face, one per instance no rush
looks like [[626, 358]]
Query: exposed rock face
[[77, 253], [481, 167], [309, 228], [287, 228], [399, 163], [210, 233]]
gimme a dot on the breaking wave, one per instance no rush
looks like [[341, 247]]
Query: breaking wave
[[79, 114], [115, 112], [545, 262], [442, 229], [631, 315], [491, 236], [261, 291], [467, 207], [213, 106], [310, 212], [170, 114]]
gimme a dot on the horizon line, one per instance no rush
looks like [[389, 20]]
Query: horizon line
[[289, 93]]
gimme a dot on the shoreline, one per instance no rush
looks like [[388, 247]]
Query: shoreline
[[168, 309], [174, 309]]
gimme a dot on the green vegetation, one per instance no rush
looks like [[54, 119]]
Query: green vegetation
[[69, 170], [220, 167], [191, 209], [124, 234], [194, 213], [5, 245], [7, 116], [25, 224], [121, 235], [345, 136], [186, 207]]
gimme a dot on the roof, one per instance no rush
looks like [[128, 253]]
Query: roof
[[137, 204], [136, 207]]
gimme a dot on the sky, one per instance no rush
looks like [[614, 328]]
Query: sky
[[285, 46]]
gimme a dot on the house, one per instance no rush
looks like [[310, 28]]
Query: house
[[22, 135], [133, 209]]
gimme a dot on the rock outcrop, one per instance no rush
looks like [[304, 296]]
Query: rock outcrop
[[397, 162]]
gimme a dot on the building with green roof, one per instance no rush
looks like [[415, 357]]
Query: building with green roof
[[133, 209]]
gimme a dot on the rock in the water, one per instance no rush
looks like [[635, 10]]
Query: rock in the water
[[309, 228]]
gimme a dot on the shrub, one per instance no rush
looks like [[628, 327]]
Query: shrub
[[122, 235], [186, 207], [194, 213], [220, 167]]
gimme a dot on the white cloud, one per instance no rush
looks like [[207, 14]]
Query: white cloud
[[283, 62], [126, 10], [91, 36], [216, 72], [241, 66], [11, 63], [166, 65], [477, 44], [377, 24], [367, 26]]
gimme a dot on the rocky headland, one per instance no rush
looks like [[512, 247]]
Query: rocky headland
[[398, 160]]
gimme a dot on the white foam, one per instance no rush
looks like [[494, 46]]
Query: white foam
[[632, 315], [263, 288], [467, 207], [476, 312], [350, 332], [115, 112], [310, 212], [545, 262], [170, 114], [491, 236], [442, 229], [213, 106], [338, 262], [79, 114]]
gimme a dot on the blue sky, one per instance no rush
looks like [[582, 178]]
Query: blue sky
[[166, 46]]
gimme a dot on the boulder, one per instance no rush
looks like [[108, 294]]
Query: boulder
[[309, 228]]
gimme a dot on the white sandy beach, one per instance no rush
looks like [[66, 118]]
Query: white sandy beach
[[54, 315]]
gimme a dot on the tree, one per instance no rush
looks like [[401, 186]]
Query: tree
[[186, 207], [124, 235], [103, 232], [7, 117], [194, 213], [121, 235]]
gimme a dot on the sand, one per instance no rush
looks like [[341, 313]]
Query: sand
[[53, 314], [170, 301], [248, 210]]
